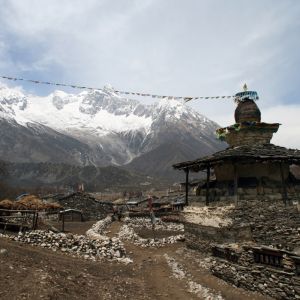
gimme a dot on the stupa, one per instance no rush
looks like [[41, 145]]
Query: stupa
[[251, 166]]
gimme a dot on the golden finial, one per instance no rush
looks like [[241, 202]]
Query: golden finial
[[245, 88]]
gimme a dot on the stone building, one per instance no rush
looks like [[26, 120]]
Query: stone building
[[247, 216], [91, 208]]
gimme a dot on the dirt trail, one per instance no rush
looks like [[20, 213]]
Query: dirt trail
[[158, 276], [153, 270], [29, 272]]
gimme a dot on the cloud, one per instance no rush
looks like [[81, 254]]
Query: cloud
[[287, 115], [188, 48]]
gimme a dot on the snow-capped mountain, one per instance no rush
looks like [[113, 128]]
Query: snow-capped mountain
[[101, 128]]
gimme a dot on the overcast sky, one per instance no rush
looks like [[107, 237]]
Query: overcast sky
[[169, 47]]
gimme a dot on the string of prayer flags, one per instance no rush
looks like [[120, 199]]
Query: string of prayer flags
[[184, 98]]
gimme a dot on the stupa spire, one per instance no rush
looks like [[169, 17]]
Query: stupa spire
[[248, 128]]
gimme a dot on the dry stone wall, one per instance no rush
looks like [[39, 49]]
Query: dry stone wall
[[203, 238], [267, 222], [264, 254], [127, 232], [75, 245], [271, 222], [241, 269]]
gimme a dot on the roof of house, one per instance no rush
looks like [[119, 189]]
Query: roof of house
[[136, 201], [243, 154], [70, 210]]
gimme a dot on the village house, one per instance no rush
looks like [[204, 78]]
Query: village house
[[91, 208]]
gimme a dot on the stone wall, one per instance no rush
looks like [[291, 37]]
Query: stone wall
[[267, 222], [271, 222], [203, 238], [242, 268], [258, 231], [264, 234]]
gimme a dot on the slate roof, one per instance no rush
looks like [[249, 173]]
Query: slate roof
[[244, 154]]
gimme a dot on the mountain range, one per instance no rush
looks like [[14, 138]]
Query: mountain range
[[101, 128]]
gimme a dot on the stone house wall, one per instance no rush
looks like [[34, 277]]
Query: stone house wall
[[269, 170], [91, 208], [272, 193]]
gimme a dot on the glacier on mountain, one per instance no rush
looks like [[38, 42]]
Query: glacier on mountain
[[98, 127], [96, 112]]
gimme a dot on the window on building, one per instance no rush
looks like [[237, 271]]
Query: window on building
[[268, 257]]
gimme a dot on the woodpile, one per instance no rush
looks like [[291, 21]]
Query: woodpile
[[7, 204], [29, 202], [53, 206]]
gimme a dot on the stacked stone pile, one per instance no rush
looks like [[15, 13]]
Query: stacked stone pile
[[159, 224], [127, 232], [76, 245], [98, 229]]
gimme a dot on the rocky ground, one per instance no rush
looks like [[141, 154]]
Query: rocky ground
[[164, 271]]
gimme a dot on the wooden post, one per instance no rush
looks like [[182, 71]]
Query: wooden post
[[4, 229], [63, 222], [187, 186], [207, 185], [284, 191], [33, 220], [235, 185], [36, 220]]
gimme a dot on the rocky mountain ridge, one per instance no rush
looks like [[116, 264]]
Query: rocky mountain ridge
[[101, 128]]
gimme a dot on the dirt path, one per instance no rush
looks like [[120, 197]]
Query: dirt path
[[153, 270], [158, 275], [29, 272]]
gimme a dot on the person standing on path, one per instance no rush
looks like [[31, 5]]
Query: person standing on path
[[152, 215]]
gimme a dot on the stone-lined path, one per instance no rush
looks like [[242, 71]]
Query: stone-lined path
[[158, 276]]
